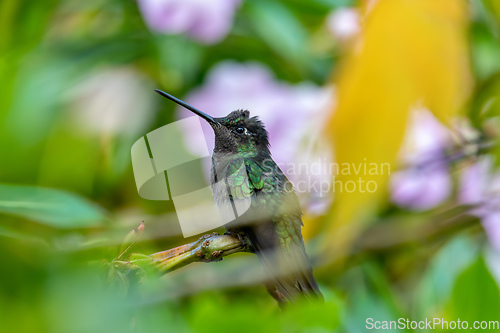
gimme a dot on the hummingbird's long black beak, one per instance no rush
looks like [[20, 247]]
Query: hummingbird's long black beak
[[203, 115]]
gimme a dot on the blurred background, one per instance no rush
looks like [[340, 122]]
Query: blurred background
[[412, 84]]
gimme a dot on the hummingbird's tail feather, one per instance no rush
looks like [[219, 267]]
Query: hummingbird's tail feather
[[287, 267], [297, 263]]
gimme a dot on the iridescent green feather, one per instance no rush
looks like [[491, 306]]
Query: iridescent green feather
[[270, 191]]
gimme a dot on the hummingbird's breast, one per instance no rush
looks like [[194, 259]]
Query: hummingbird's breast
[[233, 191]]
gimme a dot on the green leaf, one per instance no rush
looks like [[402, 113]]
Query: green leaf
[[277, 25], [366, 301], [493, 7], [54, 208], [10, 233], [381, 286], [314, 316], [486, 108], [436, 285], [475, 296], [485, 51], [486, 102], [335, 3], [180, 58]]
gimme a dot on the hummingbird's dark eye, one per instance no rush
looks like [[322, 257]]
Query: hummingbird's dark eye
[[240, 130]]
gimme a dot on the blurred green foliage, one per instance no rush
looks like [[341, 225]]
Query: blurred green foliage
[[68, 196]]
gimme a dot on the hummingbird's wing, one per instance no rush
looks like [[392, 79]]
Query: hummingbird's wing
[[288, 225], [273, 224]]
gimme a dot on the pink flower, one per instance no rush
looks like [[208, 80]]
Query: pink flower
[[205, 21], [425, 182], [343, 23], [290, 113], [420, 189], [480, 186]]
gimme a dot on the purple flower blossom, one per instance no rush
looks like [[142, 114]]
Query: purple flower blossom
[[480, 186], [426, 182], [290, 112], [343, 23], [421, 189], [205, 21]]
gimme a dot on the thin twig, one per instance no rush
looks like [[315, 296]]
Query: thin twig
[[208, 248]]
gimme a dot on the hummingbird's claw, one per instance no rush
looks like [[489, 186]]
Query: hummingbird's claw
[[240, 237]]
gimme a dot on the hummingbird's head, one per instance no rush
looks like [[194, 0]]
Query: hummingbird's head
[[239, 133], [236, 133]]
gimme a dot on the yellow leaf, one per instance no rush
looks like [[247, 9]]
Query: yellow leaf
[[409, 53]]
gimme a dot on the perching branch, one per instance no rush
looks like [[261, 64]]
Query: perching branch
[[208, 248]]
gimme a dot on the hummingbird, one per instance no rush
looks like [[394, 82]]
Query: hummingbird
[[243, 174]]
